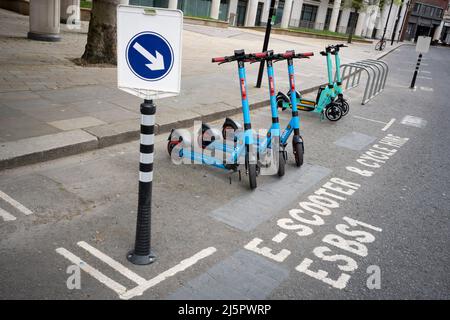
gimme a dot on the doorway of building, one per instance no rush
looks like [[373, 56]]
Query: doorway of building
[[241, 11], [259, 13], [352, 21], [422, 31]]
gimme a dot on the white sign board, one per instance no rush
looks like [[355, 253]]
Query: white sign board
[[423, 44], [149, 51]]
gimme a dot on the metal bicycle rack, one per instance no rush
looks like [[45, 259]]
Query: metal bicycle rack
[[376, 70]]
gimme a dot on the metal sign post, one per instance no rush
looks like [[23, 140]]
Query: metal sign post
[[422, 46], [270, 21], [148, 66], [394, 32]]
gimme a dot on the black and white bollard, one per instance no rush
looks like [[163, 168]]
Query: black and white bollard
[[142, 253], [413, 82]]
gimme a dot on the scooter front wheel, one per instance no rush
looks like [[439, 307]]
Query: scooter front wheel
[[252, 175], [251, 171], [281, 164], [298, 153], [333, 112]]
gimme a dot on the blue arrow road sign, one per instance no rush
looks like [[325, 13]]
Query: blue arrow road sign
[[149, 56]]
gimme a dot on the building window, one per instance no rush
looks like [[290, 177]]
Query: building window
[[151, 3], [438, 13], [223, 11], [309, 13], [328, 18], [410, 28], [279, 12], [417, 7], [196, 8]]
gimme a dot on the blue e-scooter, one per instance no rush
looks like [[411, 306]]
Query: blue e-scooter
[[271, 141], [180, 146], [294, 124]]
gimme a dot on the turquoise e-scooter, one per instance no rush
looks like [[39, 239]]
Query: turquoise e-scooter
[[338, 81], [324, 104]]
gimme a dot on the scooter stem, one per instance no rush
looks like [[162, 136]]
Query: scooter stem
[[330, 68], [338, 67]]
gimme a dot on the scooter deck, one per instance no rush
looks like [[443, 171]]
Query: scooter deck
[[309, 106]]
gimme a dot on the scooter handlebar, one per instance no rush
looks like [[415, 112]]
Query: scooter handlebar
[[259, 55], [240, 55], [219, 59], [305, 54]]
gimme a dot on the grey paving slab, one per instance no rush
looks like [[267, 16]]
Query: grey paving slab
[[116, 133], [45, 147], [244, 275], [93, 105], [76, 123], [20, 95], [23, 126], [79, 93], [114, 115], [247, 212], [31, 104], [53, 113], [355, 141]]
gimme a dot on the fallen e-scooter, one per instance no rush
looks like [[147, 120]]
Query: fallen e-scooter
[[180, 145]]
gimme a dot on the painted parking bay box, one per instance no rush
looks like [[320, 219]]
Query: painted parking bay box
[[149, 45]]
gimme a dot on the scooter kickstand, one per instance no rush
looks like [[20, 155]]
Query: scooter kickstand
[[240, 177]]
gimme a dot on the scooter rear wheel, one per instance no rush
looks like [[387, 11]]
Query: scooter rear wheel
[[345, 107], [252, 175], [171, 145], [228, 128], [333, 112], [298, 153]]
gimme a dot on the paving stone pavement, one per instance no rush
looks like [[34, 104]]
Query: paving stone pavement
[[43, 92]]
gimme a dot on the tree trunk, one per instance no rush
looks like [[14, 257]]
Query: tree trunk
[[101, 41]]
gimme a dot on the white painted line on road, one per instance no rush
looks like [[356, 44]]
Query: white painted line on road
[[423, 77], [6, 215], [112, 263], [279, 237], [414, 121], [424, 71], [110, 283], [183, 265], [426, 89], [388, 124], [15, 204], [358, 117]]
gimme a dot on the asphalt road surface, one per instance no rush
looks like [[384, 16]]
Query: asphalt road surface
[[366, 217]]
